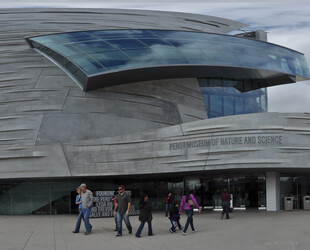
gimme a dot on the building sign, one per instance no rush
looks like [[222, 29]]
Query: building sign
[[226, 141], [103, 206]]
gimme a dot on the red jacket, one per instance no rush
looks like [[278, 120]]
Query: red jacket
[[225, 197]]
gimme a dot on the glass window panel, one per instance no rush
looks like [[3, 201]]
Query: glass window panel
[[141, 56], [195, 56], [93, 46], [192, 47], [72, 37], [155, 42], [112, 59], [182, 44], [127, 43], [140, 33], [108, 34], [216, 104], [239, 105], [168, 53], [67, 50], [88, 64], [228, 105]]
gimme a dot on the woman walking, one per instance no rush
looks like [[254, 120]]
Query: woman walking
[[145, 215], [188, 202], [78, 201], [168, 200]]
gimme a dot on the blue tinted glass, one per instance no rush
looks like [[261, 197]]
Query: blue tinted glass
[[168, 53], [127, 43], [93, 46], [108, 34], [195, 56], [222, 99], [102, 50], [155, 42], [144, 55], [112, 59], [140, 33], [88, 64], [182, 44], [72, 37]]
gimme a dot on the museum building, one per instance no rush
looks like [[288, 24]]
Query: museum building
[[157, 101]]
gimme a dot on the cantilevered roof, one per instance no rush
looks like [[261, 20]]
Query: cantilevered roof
[[102, 58]]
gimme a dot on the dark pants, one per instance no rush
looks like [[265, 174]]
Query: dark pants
[[225, 206], [78, 223], [150, 231], [122, 216], [175, 223], [189, 213], [168, 206]]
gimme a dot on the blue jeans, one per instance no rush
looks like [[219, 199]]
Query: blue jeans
[[86, 212], [150, 232], [168, 206], [115, 219], [189, 213], [225, 206], [174, 225], [122, 216], [78, 223]]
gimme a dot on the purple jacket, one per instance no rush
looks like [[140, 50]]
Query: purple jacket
[[186, 205]]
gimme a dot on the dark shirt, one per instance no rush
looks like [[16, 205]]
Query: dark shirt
[[145, 211], [122, 202], [174, 213], [225, 197]]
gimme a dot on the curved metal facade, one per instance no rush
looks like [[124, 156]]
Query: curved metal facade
[[51, 129]]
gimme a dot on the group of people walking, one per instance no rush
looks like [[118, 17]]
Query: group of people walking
[[121, 207]]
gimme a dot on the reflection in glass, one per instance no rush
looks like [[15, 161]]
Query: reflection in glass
[[173, 47], [222, 99]]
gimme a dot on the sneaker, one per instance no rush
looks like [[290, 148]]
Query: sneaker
[[194, 231], [170, 230], [118, 235], [222, 217], [138, 236], [87, 233], [75, 232], [184, 234]]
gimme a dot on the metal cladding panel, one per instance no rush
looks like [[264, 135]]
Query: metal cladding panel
[[50, 20], [265, 141]]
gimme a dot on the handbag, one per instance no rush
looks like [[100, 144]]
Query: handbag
[[191, 203]]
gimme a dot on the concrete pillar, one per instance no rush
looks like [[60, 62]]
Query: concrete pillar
[[273, 191]]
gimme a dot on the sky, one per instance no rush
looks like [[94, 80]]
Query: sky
[[287, 24]]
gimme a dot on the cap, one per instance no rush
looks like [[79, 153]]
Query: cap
[[82, 185]]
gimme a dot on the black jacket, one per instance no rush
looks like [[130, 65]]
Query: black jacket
[[145, 211], [174, 213]]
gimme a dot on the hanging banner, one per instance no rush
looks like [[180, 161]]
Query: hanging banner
[[103, 206]]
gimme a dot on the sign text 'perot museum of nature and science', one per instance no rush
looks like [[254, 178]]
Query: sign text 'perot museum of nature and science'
[[226, 141]]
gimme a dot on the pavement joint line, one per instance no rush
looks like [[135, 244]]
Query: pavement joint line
[[29, 238]]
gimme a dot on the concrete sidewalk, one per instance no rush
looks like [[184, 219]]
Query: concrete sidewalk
[[250, 230]]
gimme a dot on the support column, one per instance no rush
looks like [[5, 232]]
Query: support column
[[273, 191]]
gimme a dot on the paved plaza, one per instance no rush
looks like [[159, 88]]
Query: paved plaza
[[250, 230]]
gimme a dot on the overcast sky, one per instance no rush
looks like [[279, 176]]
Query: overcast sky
[[287, 24]]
